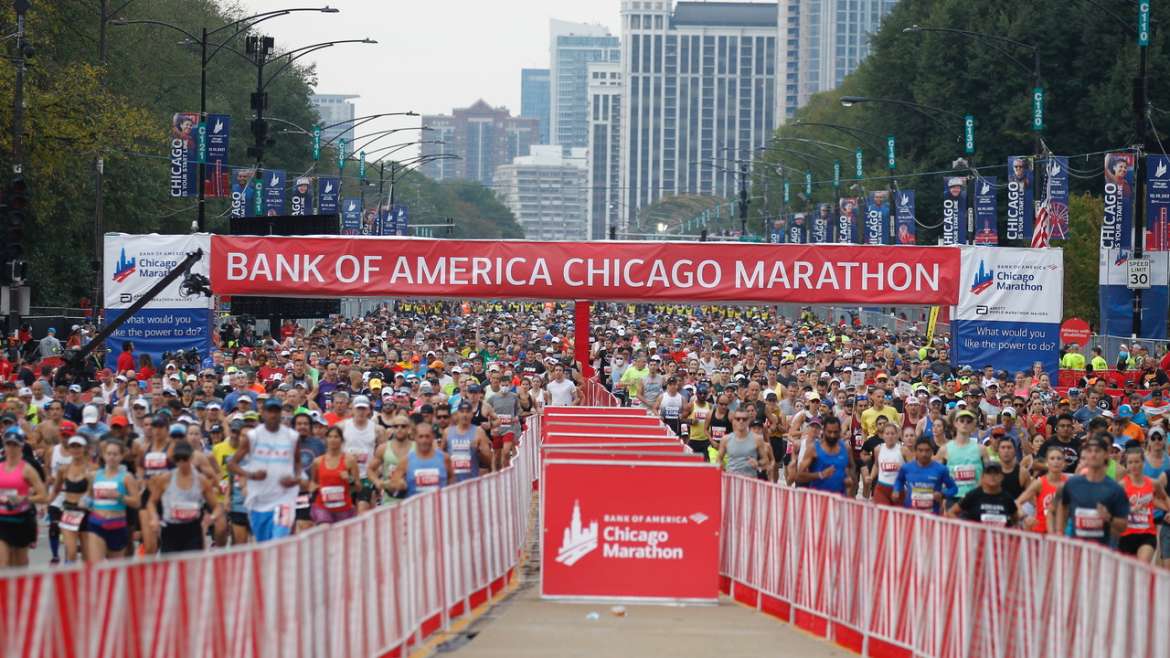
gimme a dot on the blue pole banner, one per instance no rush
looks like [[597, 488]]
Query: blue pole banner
[[1019, 202], [776, 232], [1157, 203], [218, 129], [274, 193], [986, 222], [877, 217], [1117, 226], [821, 224], [243, 193], [328, 193], [1053, 215], [906, 227], [798, 229], [299, 200], [954, 230], [351, 217], [184, 154], [401, 220], [847, 220], [370, 222]]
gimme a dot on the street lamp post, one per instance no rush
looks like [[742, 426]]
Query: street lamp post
[[238, 27]]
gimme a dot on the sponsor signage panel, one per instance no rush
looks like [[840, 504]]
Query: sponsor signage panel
[[650, 534]]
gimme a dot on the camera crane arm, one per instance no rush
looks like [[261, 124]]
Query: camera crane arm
[[76, 360]]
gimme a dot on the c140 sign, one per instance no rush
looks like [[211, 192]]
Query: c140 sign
[[565, 270]]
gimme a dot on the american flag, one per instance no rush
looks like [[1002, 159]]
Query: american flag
[[1051, 218]]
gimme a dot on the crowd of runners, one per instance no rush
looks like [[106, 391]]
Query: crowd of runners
[[279, 432]]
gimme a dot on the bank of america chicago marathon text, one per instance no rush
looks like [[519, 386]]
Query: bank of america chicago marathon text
[[583, 272]]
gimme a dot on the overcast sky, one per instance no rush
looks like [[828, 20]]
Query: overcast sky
[[432, 55]]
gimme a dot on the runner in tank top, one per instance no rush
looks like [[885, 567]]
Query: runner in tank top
[[426, 468], [506, 407], [671, 406], [362, 437], [1140, 537], [1036, 503], [112, 489], [333, 475], [963, 456], [888, 459], [697, 430], [826, 466], [389, 455], [155, 461], [182, 495], [70, 484], [466, 445], [1017, 474], [718, 425]]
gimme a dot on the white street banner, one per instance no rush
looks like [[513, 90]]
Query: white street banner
[[135, 263]]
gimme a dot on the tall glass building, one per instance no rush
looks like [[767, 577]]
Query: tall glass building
[[834, 39], [534, 98], [604, 154], [699, 93], [572, 47]]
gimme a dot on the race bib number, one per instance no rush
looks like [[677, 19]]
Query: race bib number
[[890, 467], [333, 496], [461, 463], [964, 474], [922, 498], [670, 413], [718, 433], [71, 520], [105, 490], [8, 496], [426, 479], [362, 458], [303, 501], [224, 487], [155, 461], [185, 512], [506, 420], [994, 519], [1139, 520], [1088, 523], [858, 442], [283, 516], [685, 429]]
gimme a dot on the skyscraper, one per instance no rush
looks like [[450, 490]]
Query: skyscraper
[[335, 108], [534, 98], [699, 92], [605, 120], [573, 46], [834, 39], [546, 192], [485, 137]]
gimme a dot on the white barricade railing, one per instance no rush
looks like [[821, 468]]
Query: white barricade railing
[[596, 395], [886, 581], [371, 586]]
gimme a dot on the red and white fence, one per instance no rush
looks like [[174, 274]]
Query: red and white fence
[[371, 586], [889, 582]]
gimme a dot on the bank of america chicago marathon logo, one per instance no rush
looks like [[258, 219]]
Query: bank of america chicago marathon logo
[[621, 542], [983, 278], [124, 267]]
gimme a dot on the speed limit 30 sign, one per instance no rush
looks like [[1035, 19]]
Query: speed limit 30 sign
[[1137, 273]]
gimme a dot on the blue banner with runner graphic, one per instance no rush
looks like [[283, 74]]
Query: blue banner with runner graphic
[[1158, 203], [184, 154], [954, 220], [877, 217], [273, 192], [822, 223], [351, 217], [847, 220], [328, 193], [905, 226], [986, 222], [243, 192], [1019, 199]]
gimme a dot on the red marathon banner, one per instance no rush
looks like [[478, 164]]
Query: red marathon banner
[[639, 454], [690, 272], [650, 534]]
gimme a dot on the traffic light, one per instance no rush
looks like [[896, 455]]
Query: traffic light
[[613, 232], [450, 227], [703, 235], [16, 213]]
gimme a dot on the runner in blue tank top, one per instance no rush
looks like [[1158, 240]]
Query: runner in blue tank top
[[826, 467], [424, 469], [466, 444]]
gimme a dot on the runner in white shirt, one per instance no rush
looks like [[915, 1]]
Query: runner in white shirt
[[362, 438], [271, 455], [563, 392]]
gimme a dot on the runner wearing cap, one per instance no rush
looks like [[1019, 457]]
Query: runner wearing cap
[[21, 489], [963, 456], [466, 444], [70, 483], [1157, 466], [1091, 506], [505, 406], [988, 503], [181, 496], [270, 454], [701, 411], [362, 437]]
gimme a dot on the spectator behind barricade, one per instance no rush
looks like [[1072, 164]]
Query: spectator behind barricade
[[1098, 362], [1073, 359]]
